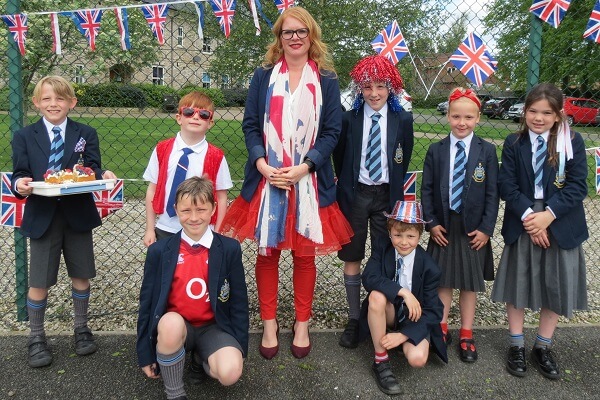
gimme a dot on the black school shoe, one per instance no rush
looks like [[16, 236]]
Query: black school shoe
[[515, 361], [469, 353], [385, 378], [38, 353], [349, 338], [543, 360], [84, 341]]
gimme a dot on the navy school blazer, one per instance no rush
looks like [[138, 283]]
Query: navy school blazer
[[347, 154], [379, 275], [224, 263], [327, 136], [31, 151], [564, 197], [480, 194]]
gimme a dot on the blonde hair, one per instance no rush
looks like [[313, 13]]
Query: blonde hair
[[60, 86], [197, 99], [318, 50]]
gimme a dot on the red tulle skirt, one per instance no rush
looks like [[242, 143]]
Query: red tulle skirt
[[241, 218]]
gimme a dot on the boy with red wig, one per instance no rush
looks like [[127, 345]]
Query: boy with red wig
[[371, 159]]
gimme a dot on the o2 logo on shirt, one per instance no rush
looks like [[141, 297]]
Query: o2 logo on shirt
[[194, 294]]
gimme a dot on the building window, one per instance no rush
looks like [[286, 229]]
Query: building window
[[205, 80], [79, 78], [180, 36], [206, 45], [450, 70], [224, 81], [158, 74]]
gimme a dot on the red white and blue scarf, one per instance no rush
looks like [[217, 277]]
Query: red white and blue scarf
[[290, 130]]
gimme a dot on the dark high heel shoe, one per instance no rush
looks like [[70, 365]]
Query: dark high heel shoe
[[297, 351], [270, 352]]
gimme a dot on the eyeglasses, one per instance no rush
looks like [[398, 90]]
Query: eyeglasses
[[189, 112], [288, 33]]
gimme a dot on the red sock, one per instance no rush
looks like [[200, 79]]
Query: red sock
[[381, 357], [466, 334], [444, 326]]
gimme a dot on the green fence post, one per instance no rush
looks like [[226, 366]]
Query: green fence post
[[535, 52], [15, 101]]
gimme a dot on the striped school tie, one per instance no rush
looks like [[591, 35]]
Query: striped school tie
[[458, 176], [180, 172], [540, 158], [57, 149], [399, 266], [373, 161]]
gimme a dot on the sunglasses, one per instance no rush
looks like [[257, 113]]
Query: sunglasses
[[189, 112], [288, 33]]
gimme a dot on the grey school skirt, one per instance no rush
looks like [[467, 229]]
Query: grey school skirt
[[531, 277], [462, 268]]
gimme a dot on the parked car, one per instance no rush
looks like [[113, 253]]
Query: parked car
[[581, 110], [347, 98], [443, 107], [498, 108], [516, 112]]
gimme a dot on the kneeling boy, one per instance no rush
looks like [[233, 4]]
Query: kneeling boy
[[193, 297], [403, 307]]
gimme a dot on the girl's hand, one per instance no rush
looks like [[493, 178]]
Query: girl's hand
[[438, 234], [479, 240], [541, 239], [537, 221]]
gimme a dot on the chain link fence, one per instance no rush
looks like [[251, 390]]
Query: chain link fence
[[130, 98]]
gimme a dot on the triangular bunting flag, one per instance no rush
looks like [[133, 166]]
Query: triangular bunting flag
[[224, 11], [88, 23], [17, 25], [283, 5], [156, 15], [200, 10], [550, 11], [123, 23]]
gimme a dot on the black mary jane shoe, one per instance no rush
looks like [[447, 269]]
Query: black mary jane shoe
[[543, 360], [515, 361], [385, 378], [469, 353], [349, 338]]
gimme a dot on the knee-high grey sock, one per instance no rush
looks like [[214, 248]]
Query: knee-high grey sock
[[36, 310], [171, 370], [81, 301], [352, 285]]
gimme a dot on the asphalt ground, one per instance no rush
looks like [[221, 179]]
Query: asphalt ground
[[329, 372]]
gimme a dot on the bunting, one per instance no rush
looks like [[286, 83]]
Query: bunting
[[200, 10], [88, 23], [283, 5], [56, 46], [17, 25], [123, 24], [262, 13], [252, 6], [592, 31], [156, 16], [224, 11], [550, 11]]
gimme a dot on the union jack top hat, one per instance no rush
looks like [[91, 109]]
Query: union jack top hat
[[410, 212]]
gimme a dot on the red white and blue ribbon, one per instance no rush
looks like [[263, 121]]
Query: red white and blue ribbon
[[17, 25], [156, 16], [550, 11], [54, 27], [592, 31], [200, 10], [390, 43], [252, 6], [474, 60], [88, 23], [224, 11], [262, 13], [123, 24]]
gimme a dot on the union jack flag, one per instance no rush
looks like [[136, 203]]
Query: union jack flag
[[597, 171], [410, 186], [283, 5], [390, 43], [592, 31], [224, 11], [12, 207], [88, 23], [17, 25], [156, 16], [474, 60], [550, 11], [109, 201]]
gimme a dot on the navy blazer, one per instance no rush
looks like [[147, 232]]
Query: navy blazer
[[347, 155], [516, 185], [31, 151], [224, 263], [327, 136], [480, 194], [379, 275]]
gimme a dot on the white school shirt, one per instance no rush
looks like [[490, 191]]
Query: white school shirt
[[407, 269], [363, 174]]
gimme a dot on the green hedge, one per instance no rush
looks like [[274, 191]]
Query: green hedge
[[215, 94], [109, 95], [155, 93]]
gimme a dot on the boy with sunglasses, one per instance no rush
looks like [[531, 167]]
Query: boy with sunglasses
[[402, 308], [176, 159]]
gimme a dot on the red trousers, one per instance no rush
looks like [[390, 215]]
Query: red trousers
[[267, 280]]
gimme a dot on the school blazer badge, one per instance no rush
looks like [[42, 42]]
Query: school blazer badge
[[224, 292], [559, 181], [479, 173], [399, 156]]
